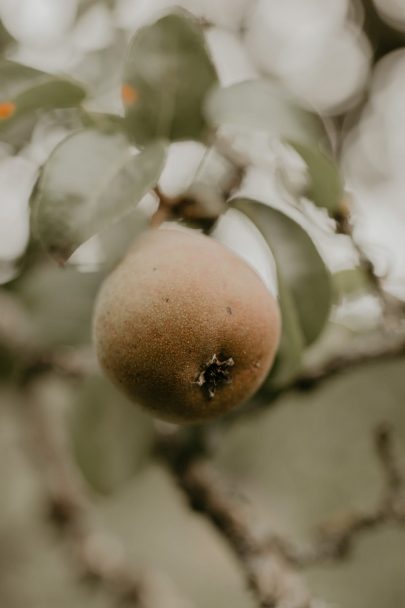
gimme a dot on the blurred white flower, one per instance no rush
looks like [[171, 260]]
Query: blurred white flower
[[133, 14], [229, 14], [365, 150], [387, 76], [373, 160], [393, 12], [291, 168], [375, 148], [309, 45], [94, 30], [17, 178], [183, 161], [247, 147], [229, 55], [380, 229], [292, 31], [149, 204], [73, 43], [261, 184], [55, 58], [358, 314], [38, 22], [332, 81], [388, 101]]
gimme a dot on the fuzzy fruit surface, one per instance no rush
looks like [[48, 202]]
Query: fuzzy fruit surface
[[185, 327]]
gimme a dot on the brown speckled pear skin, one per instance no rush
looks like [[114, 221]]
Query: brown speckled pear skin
[[185, 327]]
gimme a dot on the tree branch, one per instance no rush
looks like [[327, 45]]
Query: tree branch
[[266, 567], [99, 558], [270, 563], [337, 536], [347, 361]]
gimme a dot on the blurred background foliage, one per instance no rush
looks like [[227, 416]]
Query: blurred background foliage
[[276, 127]]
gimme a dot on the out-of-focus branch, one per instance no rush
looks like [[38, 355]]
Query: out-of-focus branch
[[68, 510], [394, 477], [337, 536], [271, 564], [347, 361], [311, 378], [202, 202], [266, 567], [73, 363], [99, 558], [25, 359]]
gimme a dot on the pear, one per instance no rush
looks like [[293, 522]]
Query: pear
[[185, 327]]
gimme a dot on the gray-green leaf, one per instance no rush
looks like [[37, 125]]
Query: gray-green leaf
[[166, 78], [350, 282], [24, 90], [111, 437], [263, 105], [302, 269], [91, 180], [292, 343], [325, 186]]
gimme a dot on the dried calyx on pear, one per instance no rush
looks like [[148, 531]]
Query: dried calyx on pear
[[185, 327]]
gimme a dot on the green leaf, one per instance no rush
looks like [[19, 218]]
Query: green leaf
[[292, 344], [116, 239], [60, 304], [111, 437], [350, 282], [298, 262], [265, 106], [325, 187], [166, 78], [5, 38], [17, 133], [90, 180], [24, 90]]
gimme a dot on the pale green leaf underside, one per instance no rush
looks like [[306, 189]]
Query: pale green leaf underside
[[325, 186], [29, 90], [263, 105], [305, 291], [91, 180]]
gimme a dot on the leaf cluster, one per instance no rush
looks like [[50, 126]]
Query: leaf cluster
[[93, 180]]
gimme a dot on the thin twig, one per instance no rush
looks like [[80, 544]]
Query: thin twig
[[349, 360], [337, 536], [311, 378], [267, 570], [271, 563], [74, 364], [393, 502]]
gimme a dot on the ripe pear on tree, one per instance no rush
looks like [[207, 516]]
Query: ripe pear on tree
[[185, 327]]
